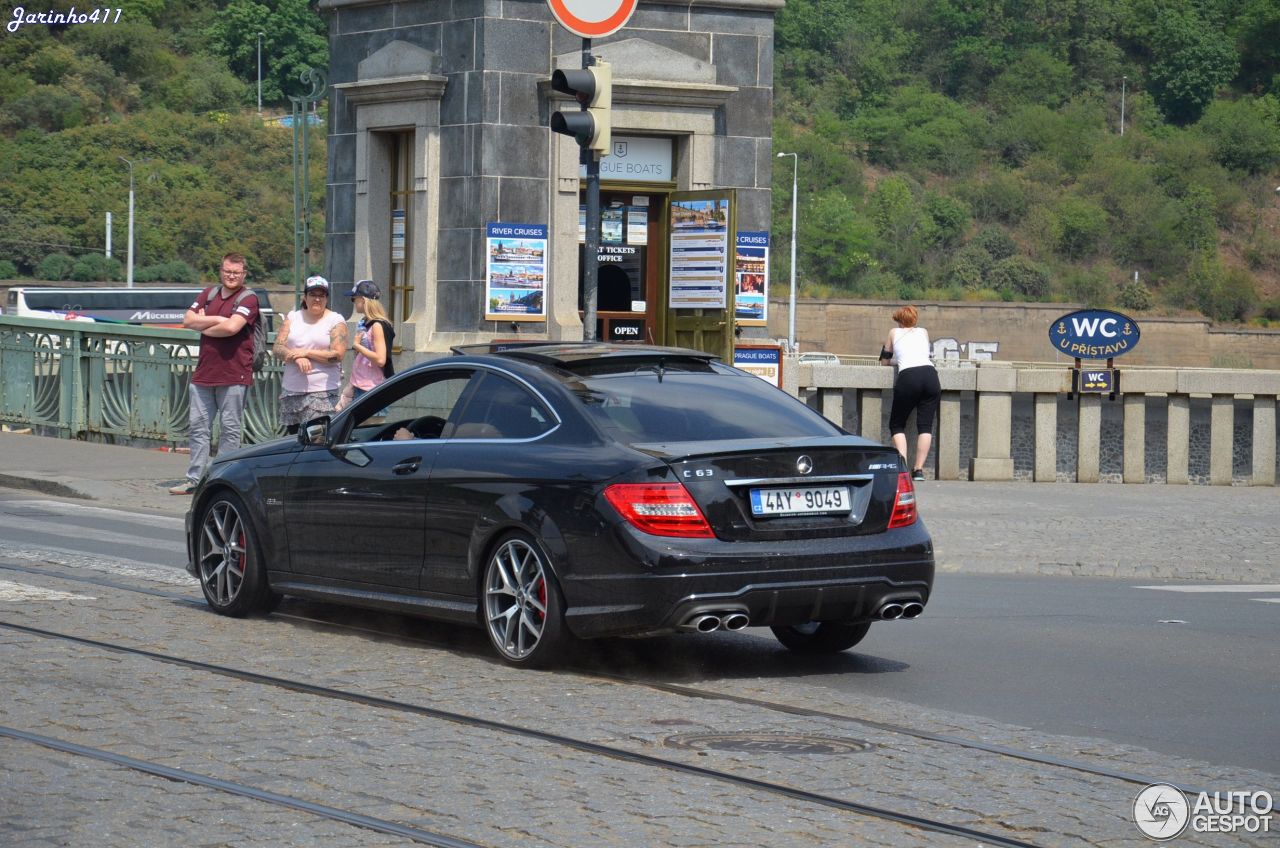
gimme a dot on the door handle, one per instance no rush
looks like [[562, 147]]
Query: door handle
[[407, 466]]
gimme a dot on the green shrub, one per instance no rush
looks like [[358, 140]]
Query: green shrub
[[97, 268], [8, 271], [969, 267], [1232, 296], [1019, 274], [55, 266], [176, 271], [1135, 296], [1271, 309], [1083, 226], [1088, 286], [997, 242]]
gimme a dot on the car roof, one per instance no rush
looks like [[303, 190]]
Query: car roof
[[568, 354]]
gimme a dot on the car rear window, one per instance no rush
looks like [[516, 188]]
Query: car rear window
[[689, 406]]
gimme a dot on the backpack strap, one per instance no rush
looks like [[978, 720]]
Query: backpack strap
[[240, 298]]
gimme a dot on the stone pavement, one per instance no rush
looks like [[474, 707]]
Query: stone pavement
[[1149, 531]]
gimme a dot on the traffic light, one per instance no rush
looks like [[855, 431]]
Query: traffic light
[[593, 89]]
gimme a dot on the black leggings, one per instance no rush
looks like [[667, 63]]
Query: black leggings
[[916, 388]]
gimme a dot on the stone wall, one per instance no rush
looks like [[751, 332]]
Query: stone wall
[[1020, 333], [1192, 425]]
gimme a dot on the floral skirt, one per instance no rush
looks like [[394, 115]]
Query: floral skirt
[[301, 407]]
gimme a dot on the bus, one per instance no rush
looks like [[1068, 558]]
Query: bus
[[147, 307]]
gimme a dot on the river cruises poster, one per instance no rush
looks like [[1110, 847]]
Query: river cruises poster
[[751, 279], [516, 278]]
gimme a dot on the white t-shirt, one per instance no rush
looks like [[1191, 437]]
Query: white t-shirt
[[911, 347], [324, 376]]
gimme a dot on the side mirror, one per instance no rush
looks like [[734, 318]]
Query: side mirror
[[315, 431]]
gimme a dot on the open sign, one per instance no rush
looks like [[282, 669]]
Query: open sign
[[1094, 334]]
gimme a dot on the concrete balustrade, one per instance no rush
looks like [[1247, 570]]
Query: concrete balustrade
[[978, 400]]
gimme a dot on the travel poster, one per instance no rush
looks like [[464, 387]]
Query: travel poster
[[516, 278], [751, 279], [699, 253]]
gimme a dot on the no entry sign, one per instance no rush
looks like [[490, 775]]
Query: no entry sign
[[592, 18]]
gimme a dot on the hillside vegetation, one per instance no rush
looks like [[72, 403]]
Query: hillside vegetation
[[953, 149], [172, 87], [948, 149]]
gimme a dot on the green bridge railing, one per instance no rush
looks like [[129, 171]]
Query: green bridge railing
[[113, 382]]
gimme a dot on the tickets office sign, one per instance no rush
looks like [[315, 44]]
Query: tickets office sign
[[1094, 334]]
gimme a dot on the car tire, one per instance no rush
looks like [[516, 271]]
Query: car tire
[[229, 560], [821, 637], [520, 604]]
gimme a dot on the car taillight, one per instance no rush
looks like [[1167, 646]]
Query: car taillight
[[663, 509], [904, 503]]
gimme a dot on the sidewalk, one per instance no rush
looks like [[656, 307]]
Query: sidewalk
[[1146, 531]]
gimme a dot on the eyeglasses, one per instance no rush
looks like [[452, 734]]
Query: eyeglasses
[[227, 273]]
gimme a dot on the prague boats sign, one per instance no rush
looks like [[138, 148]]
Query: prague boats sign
[[1094, 334]]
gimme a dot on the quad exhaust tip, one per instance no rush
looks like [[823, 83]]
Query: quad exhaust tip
[[712, 621], [891, 610]]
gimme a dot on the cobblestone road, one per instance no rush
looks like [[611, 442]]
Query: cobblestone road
[[477, 784]]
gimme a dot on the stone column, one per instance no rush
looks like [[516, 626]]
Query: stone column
[[1221, 436], [1179, 438], [1135, 438], [870, 411], [948, 447], [1089, 439], [993, 459], [1046, 412], [1264, 441], [832, 401]]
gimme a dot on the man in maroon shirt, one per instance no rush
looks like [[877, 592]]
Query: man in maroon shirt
[[224, 371]]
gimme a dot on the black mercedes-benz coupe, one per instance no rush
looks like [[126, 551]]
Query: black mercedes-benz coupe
[[553, 491]]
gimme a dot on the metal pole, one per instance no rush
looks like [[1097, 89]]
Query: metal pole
[[791, 317], [129, 262], [260, 75], [108, 235], [1124, 82], [590, 262]]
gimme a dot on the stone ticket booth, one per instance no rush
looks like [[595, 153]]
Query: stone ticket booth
[[439, 131]]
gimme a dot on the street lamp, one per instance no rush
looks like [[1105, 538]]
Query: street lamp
[[795, 173], [1124, 82], [129, 266], [260, 74]]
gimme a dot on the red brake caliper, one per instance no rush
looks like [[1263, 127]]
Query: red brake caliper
[[542, 596], [244, 554]]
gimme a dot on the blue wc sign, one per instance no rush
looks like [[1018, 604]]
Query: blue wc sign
[[1094, 334]]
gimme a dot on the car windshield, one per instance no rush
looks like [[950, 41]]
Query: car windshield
[[648, 405]]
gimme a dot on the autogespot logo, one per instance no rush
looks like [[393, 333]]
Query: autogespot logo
[[1161, 812]]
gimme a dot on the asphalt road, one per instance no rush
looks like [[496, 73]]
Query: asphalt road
[[1188, 673]]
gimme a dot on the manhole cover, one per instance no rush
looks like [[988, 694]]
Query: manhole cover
[[767, 743]]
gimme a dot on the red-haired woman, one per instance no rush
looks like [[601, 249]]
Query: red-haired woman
[[916, 386]]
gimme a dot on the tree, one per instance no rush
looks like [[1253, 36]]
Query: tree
[[294, 37], [1243, 134], [1191, 59]]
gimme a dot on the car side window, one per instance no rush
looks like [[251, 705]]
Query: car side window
[[501, 408], [414, 407]]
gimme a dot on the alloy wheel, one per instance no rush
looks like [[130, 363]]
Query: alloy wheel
[[515, 598], [222, 553]]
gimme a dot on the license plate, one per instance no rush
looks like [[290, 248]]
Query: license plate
[[804, 500]]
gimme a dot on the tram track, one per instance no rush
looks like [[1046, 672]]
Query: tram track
[[230, 787], [1071, 765], [591, 748]]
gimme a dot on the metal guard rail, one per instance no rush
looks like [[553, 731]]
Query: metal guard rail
[[115, 382]]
